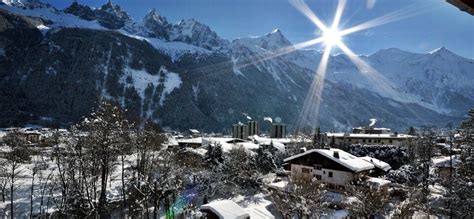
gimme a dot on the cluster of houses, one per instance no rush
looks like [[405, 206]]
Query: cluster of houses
[[327, 164], [33, 135]]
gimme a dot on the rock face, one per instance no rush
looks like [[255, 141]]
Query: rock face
[[109, 15], [184, 75], [82, 11], [157, 25], [198, 34]]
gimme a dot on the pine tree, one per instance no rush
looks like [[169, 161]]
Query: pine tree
[[265, 160], [466, 170], [214, 154], [317, 138]]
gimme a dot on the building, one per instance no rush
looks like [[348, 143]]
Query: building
[[278, 130], [445, 166], [463, 5], [224, 209], [334, 167], [367, 136], [240, 131], [190, 142], [253, 128], [193, 133]]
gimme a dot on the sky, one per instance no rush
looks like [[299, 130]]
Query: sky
[[436, 24]]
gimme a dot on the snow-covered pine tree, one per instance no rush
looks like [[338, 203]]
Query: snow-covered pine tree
[[466, 170], [317, 138], [425, 145], [461, 192], [265, 160]]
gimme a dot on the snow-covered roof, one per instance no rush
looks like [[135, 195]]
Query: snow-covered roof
[[226, 209], [277, 145], [279, 140], [248, 145], [228, 143], [378, 182], [195, 131], [348, 160], [444, 161], [352, 135], [377, 163], [191, 140]]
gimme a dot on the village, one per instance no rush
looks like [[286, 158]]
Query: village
[[370, 171]]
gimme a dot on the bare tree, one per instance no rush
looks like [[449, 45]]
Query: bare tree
[[303, 198], [18, 154], [104, 135], [369, 201]]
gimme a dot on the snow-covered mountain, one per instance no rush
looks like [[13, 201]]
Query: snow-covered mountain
[[184, 75]]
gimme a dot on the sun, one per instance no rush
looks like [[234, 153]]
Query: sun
[[332, 37]]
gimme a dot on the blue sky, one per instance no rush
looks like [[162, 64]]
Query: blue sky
[[440, 25]]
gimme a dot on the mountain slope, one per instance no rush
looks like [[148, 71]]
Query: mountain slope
[[183, 75]]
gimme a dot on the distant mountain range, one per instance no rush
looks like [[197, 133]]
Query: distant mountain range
[[56, 64]]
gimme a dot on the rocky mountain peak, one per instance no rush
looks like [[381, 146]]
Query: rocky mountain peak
[[442, 51], [115, 10], [270, 41], [112, 16], [82, 11], [276, 39], [196, 33], [154, 16], [156, 24]]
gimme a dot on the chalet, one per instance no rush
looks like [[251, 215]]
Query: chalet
[[190, 142], [367, 136], [32, 136], [444, 166], [224, 209], [193, 133], [332, 166]]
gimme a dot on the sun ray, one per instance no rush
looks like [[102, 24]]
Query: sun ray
[[337, 16], [311, 105], [305, 10], [332, 38], [401, 14], [256, 58], [279, 52], [377, 80], [381, 84]]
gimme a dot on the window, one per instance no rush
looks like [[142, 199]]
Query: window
[[390, 141], [318, 167], [331, 186], [363, 140], [330, 174], [318, 177], [370, 140], [304, 170]]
